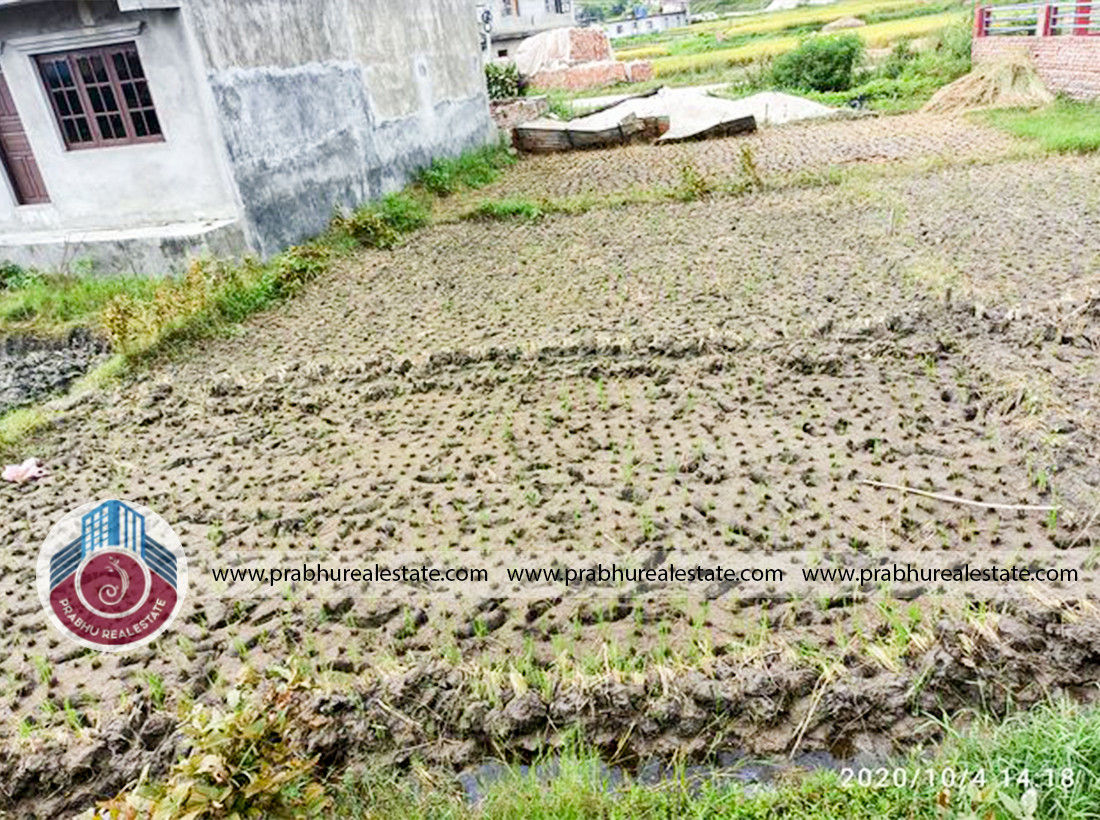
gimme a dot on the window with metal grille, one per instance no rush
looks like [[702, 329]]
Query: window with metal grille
[[100, 97]]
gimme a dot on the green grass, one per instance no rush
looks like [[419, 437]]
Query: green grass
[[16, 424], [511, 208], [1064, 127], [1053, 739], [473, 169], [54, 302]]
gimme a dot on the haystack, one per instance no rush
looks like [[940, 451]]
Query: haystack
[[1010, 82], [843, 23]]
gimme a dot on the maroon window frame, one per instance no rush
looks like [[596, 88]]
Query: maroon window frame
[[100, 97]]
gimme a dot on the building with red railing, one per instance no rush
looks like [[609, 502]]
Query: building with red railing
[[1062, 38]]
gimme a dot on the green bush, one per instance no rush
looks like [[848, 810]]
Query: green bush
[[820, 64], [908, 77], [503, 80]]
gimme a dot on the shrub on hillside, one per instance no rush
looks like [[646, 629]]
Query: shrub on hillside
[[503, 80], [820, 64]]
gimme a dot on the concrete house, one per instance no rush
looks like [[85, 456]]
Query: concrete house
[[671, 16], [516, 20], [136, 132]]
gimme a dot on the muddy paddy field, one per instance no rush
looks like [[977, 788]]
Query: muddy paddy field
[[644, 384]]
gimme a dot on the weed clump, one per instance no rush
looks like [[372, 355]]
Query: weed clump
[[474, 169], [509, 209], [245, 761], [693, 184], [404, 212], [750, 174], [368, 228]]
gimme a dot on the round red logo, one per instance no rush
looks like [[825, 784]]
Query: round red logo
[[112, 575]]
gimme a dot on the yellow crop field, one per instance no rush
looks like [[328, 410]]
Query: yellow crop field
[[882, 34], [727, 56], [808, 15], [643, 53], [875, 35]]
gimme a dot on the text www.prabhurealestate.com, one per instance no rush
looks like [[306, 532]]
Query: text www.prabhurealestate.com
[[614, 574], [569, 576]]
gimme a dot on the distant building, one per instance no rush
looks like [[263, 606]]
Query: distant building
[[673, 16], [136, 132], [516, 20]]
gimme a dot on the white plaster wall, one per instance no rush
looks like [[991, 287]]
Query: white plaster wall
[[183, 179], [532, 18]]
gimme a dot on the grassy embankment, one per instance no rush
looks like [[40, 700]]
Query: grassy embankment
[[245, 758], [1042, 765]]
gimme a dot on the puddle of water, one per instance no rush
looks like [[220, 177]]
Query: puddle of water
[[753, 774]]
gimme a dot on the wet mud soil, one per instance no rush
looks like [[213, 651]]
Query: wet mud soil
[[717, 375]]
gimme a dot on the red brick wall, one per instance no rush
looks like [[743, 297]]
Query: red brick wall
[[580, 77], [1067, 64], [588, 45]]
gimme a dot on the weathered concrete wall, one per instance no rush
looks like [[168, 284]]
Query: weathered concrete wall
[[1068, 64], [184, 179], [327, 103]]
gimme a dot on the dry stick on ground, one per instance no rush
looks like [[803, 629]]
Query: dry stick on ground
[[804, 724], [955, 500], [1086, 528]]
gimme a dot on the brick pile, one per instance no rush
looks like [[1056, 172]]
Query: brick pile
[[583, 60]]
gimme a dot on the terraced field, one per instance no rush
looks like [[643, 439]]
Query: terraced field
[[718, 44], [645, 384]]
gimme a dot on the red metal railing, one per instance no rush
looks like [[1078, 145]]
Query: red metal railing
[[1038, 19]]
